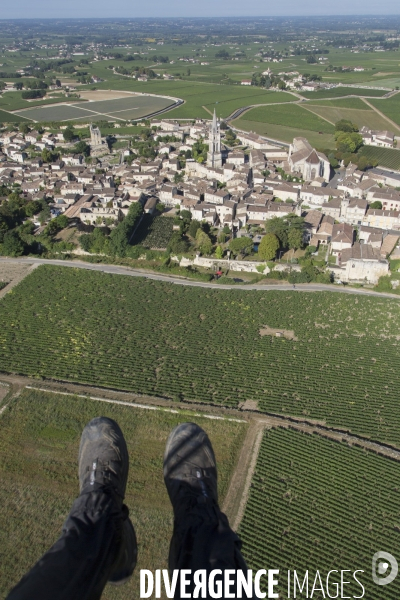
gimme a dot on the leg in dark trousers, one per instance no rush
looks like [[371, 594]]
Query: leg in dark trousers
[[202, 537], [98, 541]]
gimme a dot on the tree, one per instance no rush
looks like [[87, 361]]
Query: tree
[[295, 238], [82, 148], [69, 134], [178, 244], [278, 227], [219, 253], [32, 208], [348, 142], [377, 204], [364, 163], [24, 128], [241, 245], [12, 244], [48, 156], [44, 215], [193, 228], [203, 242], [268, 247], [346, 126], [32, 94], [221, 237]]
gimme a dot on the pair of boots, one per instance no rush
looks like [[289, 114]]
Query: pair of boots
[[98, 542], [190, 476]]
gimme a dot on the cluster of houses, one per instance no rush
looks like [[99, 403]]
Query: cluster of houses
[[234, 188], [14, 145]]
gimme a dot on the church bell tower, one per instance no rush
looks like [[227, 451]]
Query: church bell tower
[[214, 156]]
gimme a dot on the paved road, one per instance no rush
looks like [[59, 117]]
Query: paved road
[[339, 174], [118, 270]]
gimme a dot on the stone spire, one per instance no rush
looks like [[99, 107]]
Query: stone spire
[[214, 156]]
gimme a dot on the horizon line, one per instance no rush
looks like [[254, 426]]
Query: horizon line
[[359, 16]]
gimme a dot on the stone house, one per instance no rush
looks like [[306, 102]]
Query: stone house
[[342, 237]]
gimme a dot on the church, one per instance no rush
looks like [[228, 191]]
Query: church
[[214, 154]]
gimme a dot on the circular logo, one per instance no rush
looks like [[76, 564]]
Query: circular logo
[[381, 561]]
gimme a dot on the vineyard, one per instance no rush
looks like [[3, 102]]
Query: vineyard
[[38, 477], [386, 157], [204, 345], [318, 504], [154, 232]]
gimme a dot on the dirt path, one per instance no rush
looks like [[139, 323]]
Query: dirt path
[[207, 110], [318, 115], [239, 487], [381, 114]]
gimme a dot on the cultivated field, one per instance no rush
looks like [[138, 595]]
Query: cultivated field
[[132, 107], [154, 232], [386, 157], [286, 134], [39, 440], [389, 107], [288, 116], [362, 117], [197, 95], [204, 345], [317, 504], [8, 117]]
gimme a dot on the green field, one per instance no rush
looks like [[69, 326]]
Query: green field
[[366, 116], [317, 504], [134, 107], [14, 101], [386, 157], [205, 345], [224, 98], [342, 91], [340, 103], [39, 443], [288, 116], [284, 122], [285, 134], [390, 107], [7, 117]]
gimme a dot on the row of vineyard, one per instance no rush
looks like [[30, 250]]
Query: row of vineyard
[[386, 157], [154, 232], [317, 504], [205, 345]]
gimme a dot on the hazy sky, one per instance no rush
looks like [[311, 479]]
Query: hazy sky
[[191, 8]]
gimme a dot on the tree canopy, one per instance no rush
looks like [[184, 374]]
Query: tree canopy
[[241, 245], [346, 126], [268, 247]]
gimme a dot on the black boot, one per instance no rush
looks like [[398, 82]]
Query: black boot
[[190, 470], [104, 465]]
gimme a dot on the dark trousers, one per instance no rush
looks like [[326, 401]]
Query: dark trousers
[[81, 561]]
